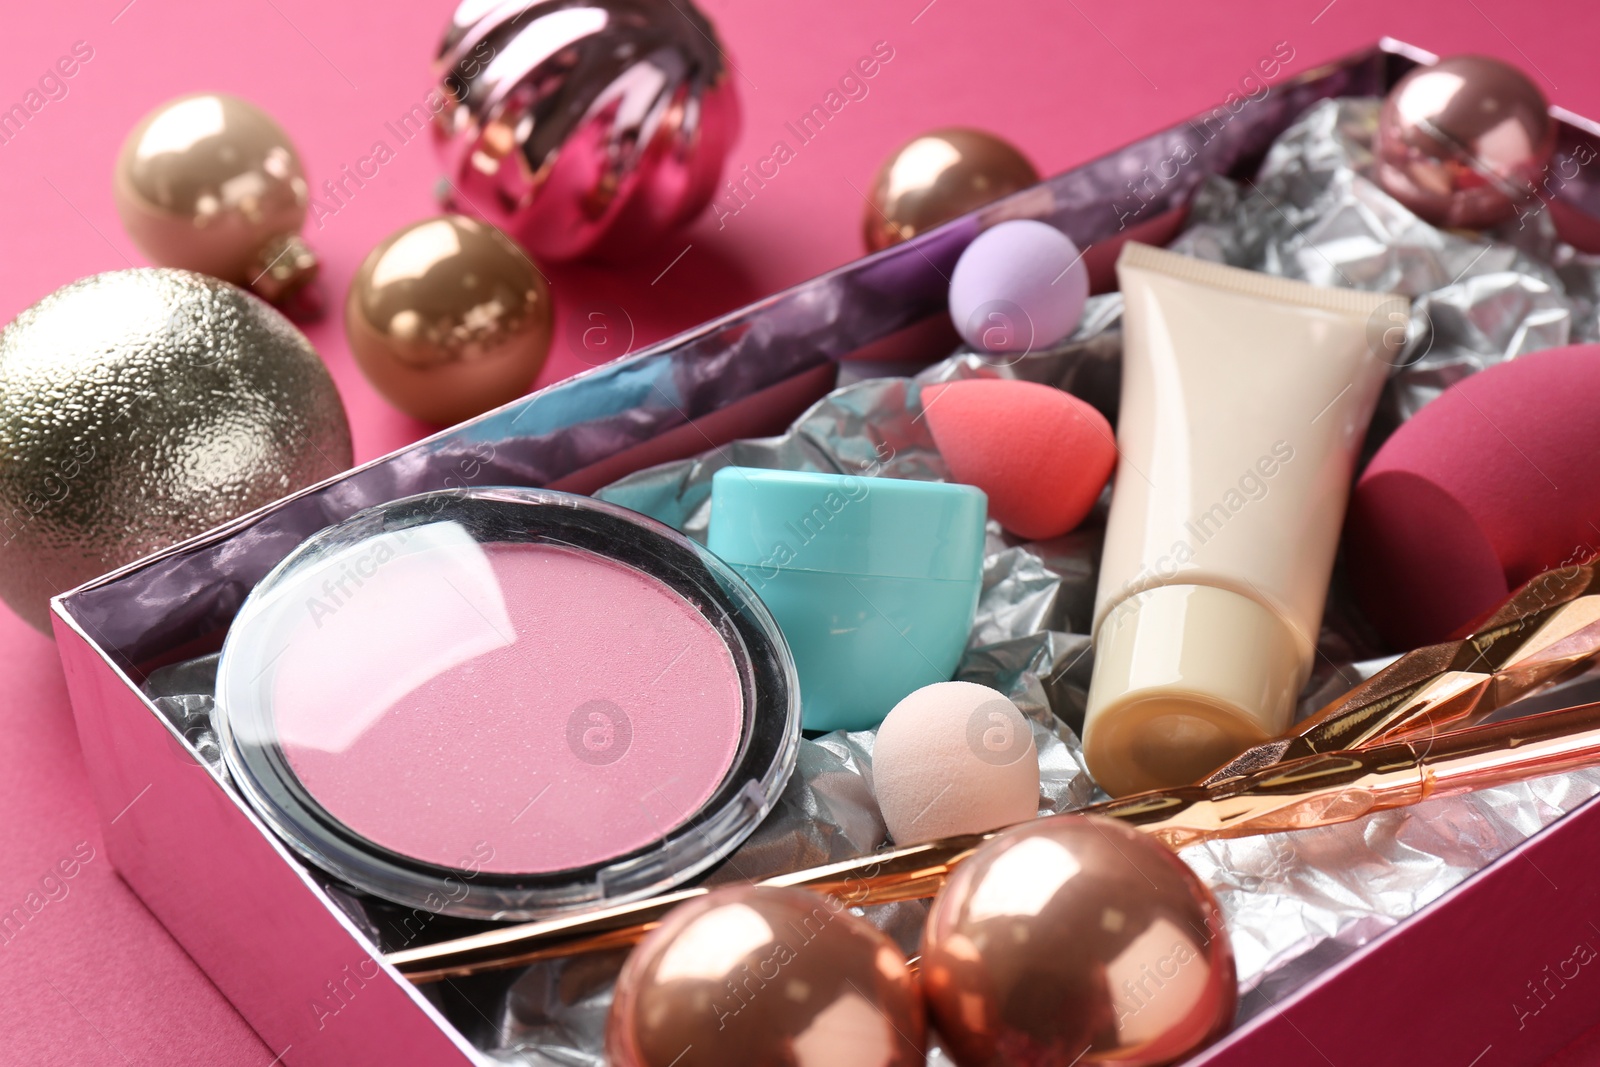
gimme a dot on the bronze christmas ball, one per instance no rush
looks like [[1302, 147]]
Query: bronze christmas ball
[[1464, 142], [211, 183], [1076, 939], [759, 975], [448, 318], [141, 407], [938, 176]]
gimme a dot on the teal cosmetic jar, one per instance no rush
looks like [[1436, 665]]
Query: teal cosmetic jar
[[873, 581]]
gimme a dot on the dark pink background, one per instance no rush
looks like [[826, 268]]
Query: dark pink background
[[93, 979]]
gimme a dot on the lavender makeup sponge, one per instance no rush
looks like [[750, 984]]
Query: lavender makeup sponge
[[1493, 482], [1019, 286], [954, 758], [1041, 455]]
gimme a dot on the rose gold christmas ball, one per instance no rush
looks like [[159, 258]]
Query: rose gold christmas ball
[[938, 176], [448, 318], [1076, 939], [1463, 142], [765, 977]]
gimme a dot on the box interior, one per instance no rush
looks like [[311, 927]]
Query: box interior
[[301, 971]]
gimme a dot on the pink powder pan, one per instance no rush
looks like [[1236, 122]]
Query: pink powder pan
[[507, 703]]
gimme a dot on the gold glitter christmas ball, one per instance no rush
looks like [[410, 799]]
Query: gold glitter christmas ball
[[141, 407]]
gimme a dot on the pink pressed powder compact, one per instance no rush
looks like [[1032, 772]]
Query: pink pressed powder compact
[[507, 703]]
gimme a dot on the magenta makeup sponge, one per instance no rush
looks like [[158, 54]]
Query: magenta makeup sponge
[[1019, 286], [1041, 455], [1493, 482]]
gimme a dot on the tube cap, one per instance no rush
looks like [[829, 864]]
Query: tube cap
[[1185, 678]]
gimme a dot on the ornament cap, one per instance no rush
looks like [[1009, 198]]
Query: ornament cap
[[283, 266]]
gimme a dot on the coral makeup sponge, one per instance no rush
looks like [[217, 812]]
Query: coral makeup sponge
[[1041, 455], [1491, 483]]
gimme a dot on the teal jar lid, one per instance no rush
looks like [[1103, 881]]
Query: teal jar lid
[[776, 521]]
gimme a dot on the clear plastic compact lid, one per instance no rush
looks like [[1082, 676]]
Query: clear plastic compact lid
[[507, 703]]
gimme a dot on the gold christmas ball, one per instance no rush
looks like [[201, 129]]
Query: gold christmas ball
[[1076, 939], [937, 177], [142, 407], [210, 183], [448, 318], [759, 975]]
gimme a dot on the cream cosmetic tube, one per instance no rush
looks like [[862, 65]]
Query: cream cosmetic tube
[[1245, 399]]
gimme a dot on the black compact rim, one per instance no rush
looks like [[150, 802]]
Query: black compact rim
[[769, 731]]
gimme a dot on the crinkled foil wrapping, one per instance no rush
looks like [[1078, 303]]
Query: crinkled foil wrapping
[[1295, 903]]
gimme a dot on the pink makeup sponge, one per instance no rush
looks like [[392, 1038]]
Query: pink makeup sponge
[[954, 758], [1493, 482], [1041, 455]]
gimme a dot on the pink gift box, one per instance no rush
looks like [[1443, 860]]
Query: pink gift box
[[1496, 971]]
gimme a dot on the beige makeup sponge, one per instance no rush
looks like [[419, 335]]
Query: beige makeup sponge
[[954, 758]]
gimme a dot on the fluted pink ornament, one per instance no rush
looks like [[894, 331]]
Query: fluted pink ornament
[[587, 129]]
